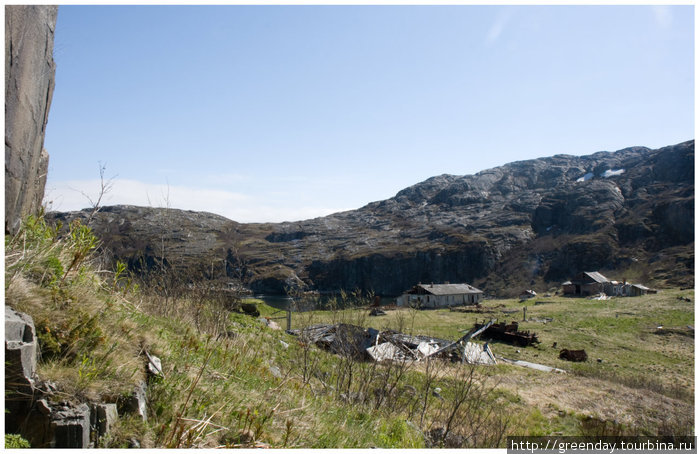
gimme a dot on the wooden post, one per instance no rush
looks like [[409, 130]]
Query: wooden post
[[525, 313], [289, 316]]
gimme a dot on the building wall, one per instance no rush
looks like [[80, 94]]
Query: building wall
[[436, 301]]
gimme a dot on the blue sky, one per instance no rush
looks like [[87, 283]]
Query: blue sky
[[282, 113]]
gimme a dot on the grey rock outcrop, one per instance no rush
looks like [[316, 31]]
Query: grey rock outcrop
[[20, 351], [29, 84], [57, 425], [20, 368], [103, 418], [525, 224], [71, 426], [136, 403]]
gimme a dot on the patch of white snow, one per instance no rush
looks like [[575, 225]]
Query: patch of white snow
[[586, 177], [613, 173]]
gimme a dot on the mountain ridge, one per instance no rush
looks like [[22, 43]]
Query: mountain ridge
[[528, 223]]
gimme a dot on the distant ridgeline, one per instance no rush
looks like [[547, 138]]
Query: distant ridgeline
[[528, 224]]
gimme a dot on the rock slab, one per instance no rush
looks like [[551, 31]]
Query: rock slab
[[20, 368], [29, 84]]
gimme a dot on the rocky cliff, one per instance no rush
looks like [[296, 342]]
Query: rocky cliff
[[29, 83], [526, 224]]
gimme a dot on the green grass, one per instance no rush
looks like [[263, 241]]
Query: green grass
[[621, 332], [231, 381]]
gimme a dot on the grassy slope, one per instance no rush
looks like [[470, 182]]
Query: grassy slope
[[262, 386], [643, 375]]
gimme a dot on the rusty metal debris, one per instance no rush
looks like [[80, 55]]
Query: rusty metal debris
[[578, 356], [508, 333]]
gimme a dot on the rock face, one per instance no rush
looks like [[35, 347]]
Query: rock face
[[20, 369], [20, 351], [528, 224], [29, 83], [29, 411]]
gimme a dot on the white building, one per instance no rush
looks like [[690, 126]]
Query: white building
[[440, 295]]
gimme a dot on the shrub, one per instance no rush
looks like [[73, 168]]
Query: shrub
[[14, 441]]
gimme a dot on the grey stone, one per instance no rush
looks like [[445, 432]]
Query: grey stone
[[29, 84], [275, 371], [103, 418], [154, 367], [20, 350], [136, 402], [71, 427], [20, 369]]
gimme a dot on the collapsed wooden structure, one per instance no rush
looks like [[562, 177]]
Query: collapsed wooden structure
[[369, 343]]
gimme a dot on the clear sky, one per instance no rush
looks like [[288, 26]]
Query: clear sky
[[282, 113]]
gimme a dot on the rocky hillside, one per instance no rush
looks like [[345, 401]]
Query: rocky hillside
[[526, 224]]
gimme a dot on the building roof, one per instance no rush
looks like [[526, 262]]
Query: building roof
[[449, 289], [596, 276]]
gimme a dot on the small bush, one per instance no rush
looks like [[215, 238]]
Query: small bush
[[14, 441]]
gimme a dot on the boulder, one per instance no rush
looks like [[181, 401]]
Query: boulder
[[62, 425], [103, 418], [20, 369], [20, 351], [29, 84], [71, 426], [136, 402]]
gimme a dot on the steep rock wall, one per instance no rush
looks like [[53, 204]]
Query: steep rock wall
[[29, 84]]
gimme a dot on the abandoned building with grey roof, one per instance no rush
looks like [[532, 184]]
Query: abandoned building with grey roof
[[440, 295]]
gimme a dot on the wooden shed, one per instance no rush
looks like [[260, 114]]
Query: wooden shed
[[440, 295], [585, 283]]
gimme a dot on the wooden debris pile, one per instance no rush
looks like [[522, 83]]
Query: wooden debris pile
[[369, 343]]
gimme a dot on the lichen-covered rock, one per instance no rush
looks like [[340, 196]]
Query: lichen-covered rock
[[29, 84], [525, 224]]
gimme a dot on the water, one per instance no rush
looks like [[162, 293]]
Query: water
[[309, 303]]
